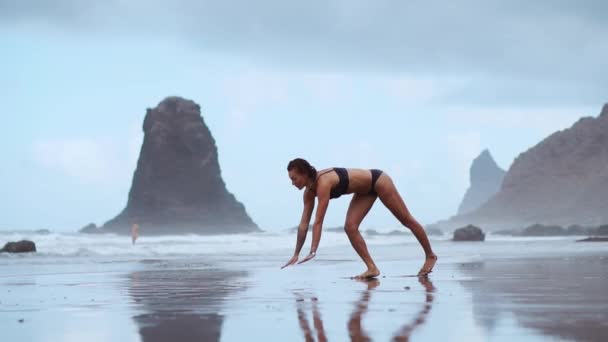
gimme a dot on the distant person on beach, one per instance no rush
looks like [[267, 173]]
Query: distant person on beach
[[134, 232], [366, 186]]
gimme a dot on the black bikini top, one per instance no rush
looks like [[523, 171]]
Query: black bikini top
[[342, 187]]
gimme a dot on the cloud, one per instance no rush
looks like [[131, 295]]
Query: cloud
[[250, 94], [530, 53], [327, 87], [462, 148], [421, 90], [540, 40], [90, 161], [547, 120], [82, 159], [253, 89], [408, 170], [501, 91]]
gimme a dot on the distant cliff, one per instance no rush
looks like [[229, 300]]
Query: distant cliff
[[177, 186], [485, 179], [563, 180]]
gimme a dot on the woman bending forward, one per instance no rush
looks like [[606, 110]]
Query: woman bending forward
[[366, 186]]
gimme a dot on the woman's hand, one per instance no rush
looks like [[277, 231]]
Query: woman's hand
[[291, 261], [308, 257]]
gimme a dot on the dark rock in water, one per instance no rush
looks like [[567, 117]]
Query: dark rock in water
[[510, 232], [485, 179], [577, 230], [177, 186], [23, 246], [433, 231], [540, 230], [338, 229], [601, 235], [594, 239], [373, 232], [91, 228], [602, 230], [295, 229], [42, 231], [469, 233]]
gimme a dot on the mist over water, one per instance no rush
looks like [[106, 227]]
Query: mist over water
[[84, 245], [119, 247]]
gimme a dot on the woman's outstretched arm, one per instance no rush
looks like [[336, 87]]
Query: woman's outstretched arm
[[309, 205], [323, 198]]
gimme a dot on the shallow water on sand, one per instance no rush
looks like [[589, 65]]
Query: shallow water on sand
[[504, 289]]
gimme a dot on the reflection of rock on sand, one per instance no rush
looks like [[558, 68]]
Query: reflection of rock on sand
[[181, 305], [564, 297]]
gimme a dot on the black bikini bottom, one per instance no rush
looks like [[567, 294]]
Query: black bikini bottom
[[375, 175]]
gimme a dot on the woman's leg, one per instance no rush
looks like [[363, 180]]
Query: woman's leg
[[358, 208], [388, 194]]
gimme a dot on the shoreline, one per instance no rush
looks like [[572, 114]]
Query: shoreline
[[495, 290]]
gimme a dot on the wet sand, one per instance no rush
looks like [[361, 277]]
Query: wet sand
[[564, 297], [475, 294]]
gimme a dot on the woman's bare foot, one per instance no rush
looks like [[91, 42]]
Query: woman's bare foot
[[369, 274], [429, 263]]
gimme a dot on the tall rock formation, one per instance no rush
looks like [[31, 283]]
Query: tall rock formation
[[485, 179], [177, 186], [563, 180]]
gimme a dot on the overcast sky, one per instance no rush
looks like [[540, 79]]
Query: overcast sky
[[416, 88]]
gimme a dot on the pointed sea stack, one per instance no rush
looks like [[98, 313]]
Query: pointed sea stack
[[485, 177], [177, 187]]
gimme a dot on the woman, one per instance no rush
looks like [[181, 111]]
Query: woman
[[366, 185]]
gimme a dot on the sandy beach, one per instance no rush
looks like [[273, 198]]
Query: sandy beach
[[499, 290]]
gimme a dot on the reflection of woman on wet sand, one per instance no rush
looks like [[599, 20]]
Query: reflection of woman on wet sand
[[366, 185], [406, 330], [316, 318], [355, 330]]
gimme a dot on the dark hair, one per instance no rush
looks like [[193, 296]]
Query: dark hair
[[303, 167]]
